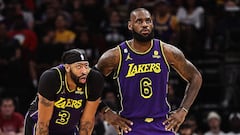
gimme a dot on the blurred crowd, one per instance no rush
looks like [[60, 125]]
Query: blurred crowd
[[34, 33]]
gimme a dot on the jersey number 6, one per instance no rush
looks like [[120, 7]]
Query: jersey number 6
[[146, 87]]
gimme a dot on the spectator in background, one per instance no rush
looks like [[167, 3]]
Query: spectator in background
[[28, 46], [46, 21], [9, 53], [214, 124], [190, 17], [11, 122], [94, 14], [62, 34], [166, 24], [23, 71], [27, 16], [78, 22], [192, 122], [234, 122], [228, 23], [114, 29], [185, 129], [59, 39], [83, 41], [73, 5], [2, 6]]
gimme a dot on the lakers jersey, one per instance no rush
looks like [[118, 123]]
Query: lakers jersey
[[68, 106], [142, 79]]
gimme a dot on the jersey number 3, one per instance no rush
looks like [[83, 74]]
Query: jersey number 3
[[63, 117], [146, 87]]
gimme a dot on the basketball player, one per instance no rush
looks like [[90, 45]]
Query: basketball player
[[68, 96], [142, 67]]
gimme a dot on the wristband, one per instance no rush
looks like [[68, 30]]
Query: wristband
[[184, 109], [106, 110]]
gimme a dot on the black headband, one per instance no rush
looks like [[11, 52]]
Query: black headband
[[73, 55]]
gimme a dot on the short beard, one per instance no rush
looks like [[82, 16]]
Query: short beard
[[142, 38], [75, 78]]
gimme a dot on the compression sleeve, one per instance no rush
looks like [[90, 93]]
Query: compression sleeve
[[95, 84], [49, 84]]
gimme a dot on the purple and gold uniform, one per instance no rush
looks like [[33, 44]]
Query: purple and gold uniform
[[68, 104], [142, 80]]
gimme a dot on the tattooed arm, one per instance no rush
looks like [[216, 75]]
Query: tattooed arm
[[45, 110], [109, 61], [88, 117], [189, 72]]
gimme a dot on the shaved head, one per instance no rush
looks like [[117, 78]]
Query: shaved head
[[134, 12], [141, 25]]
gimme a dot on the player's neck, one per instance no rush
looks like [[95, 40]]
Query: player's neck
[[70, 83], [140, 46]]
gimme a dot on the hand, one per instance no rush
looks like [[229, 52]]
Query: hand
[[175, 120], [118, 122]]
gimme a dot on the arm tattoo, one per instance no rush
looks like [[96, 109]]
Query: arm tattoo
[[176, 54], [42, 128], [45, 102], [86, 127], [182, 64]]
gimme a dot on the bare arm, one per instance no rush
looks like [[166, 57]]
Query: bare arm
[[187, 71], [88, 117], [109, 61], [45, 110]]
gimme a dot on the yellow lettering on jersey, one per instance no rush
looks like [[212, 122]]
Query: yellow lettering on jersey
[[143, 68], [71, 103]]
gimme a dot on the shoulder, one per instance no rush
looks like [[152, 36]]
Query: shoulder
[[109, 60], [172, 53], [168, 48], [114, 52], [50, 76], [50, 73], [95, 75]]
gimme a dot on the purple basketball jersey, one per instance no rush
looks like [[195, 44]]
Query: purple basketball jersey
[[68, 107], [142, 80]]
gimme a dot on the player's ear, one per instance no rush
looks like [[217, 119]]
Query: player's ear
[[67, 67], [129, 25]]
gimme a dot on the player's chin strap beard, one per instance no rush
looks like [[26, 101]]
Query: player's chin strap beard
[[142, 38], [76, 79]]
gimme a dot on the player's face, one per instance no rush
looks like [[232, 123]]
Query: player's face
[[79, 72], [141, 26]]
